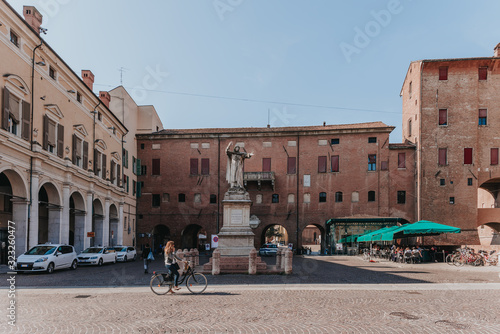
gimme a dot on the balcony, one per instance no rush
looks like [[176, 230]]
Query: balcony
[[259, 177]]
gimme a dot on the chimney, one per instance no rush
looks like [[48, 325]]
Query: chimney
[[88, 78], [105, 98], [33, 17], [497, 50]]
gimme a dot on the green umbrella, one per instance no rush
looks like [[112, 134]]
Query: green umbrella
[[420, 228]]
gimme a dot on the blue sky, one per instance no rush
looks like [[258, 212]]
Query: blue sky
[[242, 63]]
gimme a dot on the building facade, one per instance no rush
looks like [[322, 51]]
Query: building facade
[[297, 177], [450, 111]]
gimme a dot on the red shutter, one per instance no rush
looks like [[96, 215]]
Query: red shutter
[[156, 167], [26, 128], [483, 73], [266, 164], [384, 165], [5, 109], [467, 156], [335, 163], [322, 164], [205, 166], [292, 165], [483, 112], [443, 73], [443, 116], [494, 156], [442, 156], [193, 166], [402, 160]]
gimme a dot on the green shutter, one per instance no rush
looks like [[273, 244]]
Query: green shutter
[[138, 165], [138, 189]]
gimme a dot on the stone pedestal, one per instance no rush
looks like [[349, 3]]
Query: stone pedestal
[[236, 238]]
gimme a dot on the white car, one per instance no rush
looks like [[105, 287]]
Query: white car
[[97, 255], [47, 257], [125, 253]]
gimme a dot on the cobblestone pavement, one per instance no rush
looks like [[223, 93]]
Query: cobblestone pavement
[[324, 295]]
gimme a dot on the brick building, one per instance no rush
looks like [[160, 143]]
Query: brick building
[[297, 177], [451, 109]]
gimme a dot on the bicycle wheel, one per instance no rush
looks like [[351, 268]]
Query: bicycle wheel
[[459, 261], [159, 285], [196, 283], [449, 259]]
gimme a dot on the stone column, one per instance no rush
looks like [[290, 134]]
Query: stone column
[[64, 225], [33, 220], [88, 221], [105, 224], [252, 262], [119, 233], [288, 261], [278, 259], [20, 218], [216, 262]]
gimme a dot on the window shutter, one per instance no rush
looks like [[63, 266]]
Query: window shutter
[[60, 140], [138, 189], [442, 156], [266, 164], [483, 112], [138, 166], [96, 163], [292, 165], [85, 154], [443, 116], [322, 164], [156, 167], [468, 156], [45, 132], [443, 73], [134, 165], [128, 181], [494, 156], [5, 109], [26, 127], [205, 166], [193, 166], [112, 171], [104, 166], [73, 151], [483, 73], [335, 163], [402, 160], [118, 178]]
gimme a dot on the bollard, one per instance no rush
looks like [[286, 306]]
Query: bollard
[[278, 259], [288, 262], [180, 254], [216, 262], [252, 262], [196, 257], [283, 252]]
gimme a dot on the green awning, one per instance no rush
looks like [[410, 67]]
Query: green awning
[[349, 238], [369, 236], [420, 228]]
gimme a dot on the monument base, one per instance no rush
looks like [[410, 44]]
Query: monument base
[[235, 265]]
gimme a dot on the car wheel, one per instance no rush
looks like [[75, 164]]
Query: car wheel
[[50, 268], [125, 258], [100, 262], [74, 264], [114, 260]]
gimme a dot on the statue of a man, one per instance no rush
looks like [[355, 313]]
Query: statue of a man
[[234, 172]]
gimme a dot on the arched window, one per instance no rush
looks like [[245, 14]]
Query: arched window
[[322, 197], [338, 197]]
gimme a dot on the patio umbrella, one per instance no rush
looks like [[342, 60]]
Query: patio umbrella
[[369, 236], [418, 229]]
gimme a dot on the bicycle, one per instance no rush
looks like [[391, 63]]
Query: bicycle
[[162, 283]]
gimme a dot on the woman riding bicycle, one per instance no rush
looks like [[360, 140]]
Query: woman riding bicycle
[[171, 262]]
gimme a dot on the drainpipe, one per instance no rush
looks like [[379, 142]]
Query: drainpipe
[[297, 197], [93, 156], [218, 184], [31, 142]]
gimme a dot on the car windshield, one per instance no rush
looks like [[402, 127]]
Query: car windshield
[[93, 250], [42, 250], [120, 249]]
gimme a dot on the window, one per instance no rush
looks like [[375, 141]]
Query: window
[[193, 166], [291, 198], [322, 197], [452, 200], [14, 38], [467, 156], [213, 199], [53, 136], [443, 72], [494, 156], [205, 166], [335, 164], [335, 141], [371, 196], [144, 170], [166, 197], [442, 182], [372, 140], [409, 89], [384, 165], [275, 198], [142, 146], [156, 167], [443, 116], [307, 198], [258, 199], [469, 181], [125, 158], [483, 117], [99, 114], [401, 197], [134, 187], [80, 152], [79, 99], [16, 115], [291, 165], [266, 164], [355, 197], [443, 157], [52, 72], [372, 162], [401, 160], [197, 198], [182, 198], [339, 196], [322, 164], [483, 73], [156, 200], [409, 128]]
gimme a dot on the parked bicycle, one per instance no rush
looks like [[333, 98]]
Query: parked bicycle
[[488, 258], [162, 283]]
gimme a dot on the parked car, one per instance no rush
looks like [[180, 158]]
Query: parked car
[[268, 249], [125, 253], [97, 255], [47, 257]]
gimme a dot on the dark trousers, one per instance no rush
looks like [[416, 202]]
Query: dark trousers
[[174, 272]]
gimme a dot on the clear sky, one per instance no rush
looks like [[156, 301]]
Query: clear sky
[[244, 63]]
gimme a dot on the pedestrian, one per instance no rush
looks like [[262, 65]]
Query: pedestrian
[[146, 257], [171, 263]]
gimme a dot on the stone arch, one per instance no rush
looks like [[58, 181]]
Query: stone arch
[[190, 236], [161, 234], [97, 222], [114, 223], [274, 233], [77, 215], [489, 233], [312, 238], [49, 213]]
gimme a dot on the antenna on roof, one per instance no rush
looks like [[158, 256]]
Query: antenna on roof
[[268, 117], [122, 69]]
